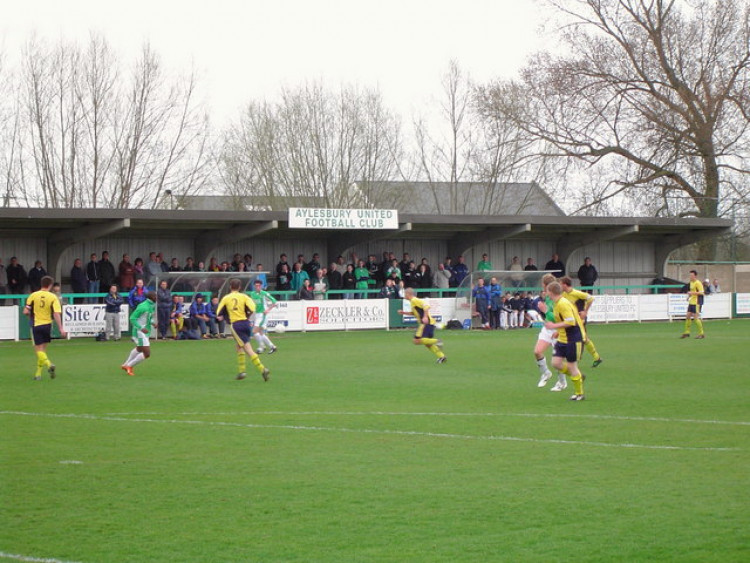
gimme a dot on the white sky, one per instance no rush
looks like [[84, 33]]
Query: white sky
[[245, 50]]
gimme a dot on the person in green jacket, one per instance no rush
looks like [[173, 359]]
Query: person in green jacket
[[362, 275]]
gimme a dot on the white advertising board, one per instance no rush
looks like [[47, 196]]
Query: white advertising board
[[323, 218], [441, 310], [345, 314], [88, 320], [743, 303], [614, 308], [9, 323]]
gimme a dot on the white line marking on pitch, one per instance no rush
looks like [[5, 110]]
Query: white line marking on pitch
[[491, 437], [447, 414], [28, 559]]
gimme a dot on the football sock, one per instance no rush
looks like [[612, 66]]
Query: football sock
[[699, 324], [577, 384], [435, 349], [39, 363], [173, 329], [139, 357], [259, 339], [542, 366], [268, 341], [133, 353], [241, 361], [255, 358], [591, 349], [688, 322]]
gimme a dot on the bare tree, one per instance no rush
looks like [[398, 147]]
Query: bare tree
[[656, 92], [313, 148], [90, 137]]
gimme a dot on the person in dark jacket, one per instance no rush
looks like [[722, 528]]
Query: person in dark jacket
[[35, 276], [163, 308], [17, 277], [93, 277], [78, 279], [107, 274], [555, 266], [112, 303], [587, 274]]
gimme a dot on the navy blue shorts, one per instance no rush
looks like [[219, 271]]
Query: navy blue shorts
[[42, 334], [242, 332], [694, 309], [571, 351], [425, 331]]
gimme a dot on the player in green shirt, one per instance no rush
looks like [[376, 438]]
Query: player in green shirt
[[141, 320], [264, 302]]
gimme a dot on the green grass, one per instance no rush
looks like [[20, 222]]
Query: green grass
[[361, 448]]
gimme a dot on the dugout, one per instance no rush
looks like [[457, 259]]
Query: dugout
[[625, 250]]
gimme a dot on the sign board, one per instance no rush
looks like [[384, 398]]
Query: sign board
[[742, 303], [352, 219], [88, 320]]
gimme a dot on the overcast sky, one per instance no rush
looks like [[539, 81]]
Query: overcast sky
[[249, 49]]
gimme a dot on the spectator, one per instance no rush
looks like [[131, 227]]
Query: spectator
[[93, 277], [112, 303], [248, 260], [388, 291], [137, 295], [587, 274], [298, 277], [78, 279], [530, 266], [174, 266], [163, 308], [305, 292], [283, 278], [423, 280], [393, 272], [213, 265], [516, 278], [199, 315], [261, 275], [138, 272], [162, 264], [17, 277], [313, 266], [177, 316], [555, 266], [236, 260], [3, 284], [426, 264], [152, 269], [409, 275], [348, 282], [484, 264], [190, 265], [362, 275], [442, 278], [107, 274], [127, 273], [496, 302], [280, 265], [460, 271], [481, 297], [217, 327], [335, 280], [35, 276], [404, 264], [374, 271], [320, 286], [715, 287]]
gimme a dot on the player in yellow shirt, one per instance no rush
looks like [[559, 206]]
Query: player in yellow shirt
[[240, 309], [582, 302], [696, 292], [43, 307], [570, 337], [425, 334]]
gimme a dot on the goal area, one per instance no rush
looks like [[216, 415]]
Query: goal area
[[510, 281]]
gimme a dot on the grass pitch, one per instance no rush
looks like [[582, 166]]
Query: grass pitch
[[361, 448]]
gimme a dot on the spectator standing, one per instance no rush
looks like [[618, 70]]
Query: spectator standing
[[516, 278], [404, 264], [320, 286], [112, 303], [530, 266], [587, 274], [481, 296], [496, 302], [410, 275], [394, 272], [107, 275], [93, 277], [152, 269], [484, 264], [127, 273], [442, 278], [138, 271], [281, 264], [460, 271], [17, 277], [298, 277], [305, 292], [35, 276], [555, 266], [362, 275], [163, 308], [388, 291], [137, 295], [715, 287], [78, 279], [261, 275], [284, 278], [348, 282], [423, 280], [190, 265], [335, 280]]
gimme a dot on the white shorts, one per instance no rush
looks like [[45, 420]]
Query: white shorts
[[260, 320], [547, 335], [141, 338]]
